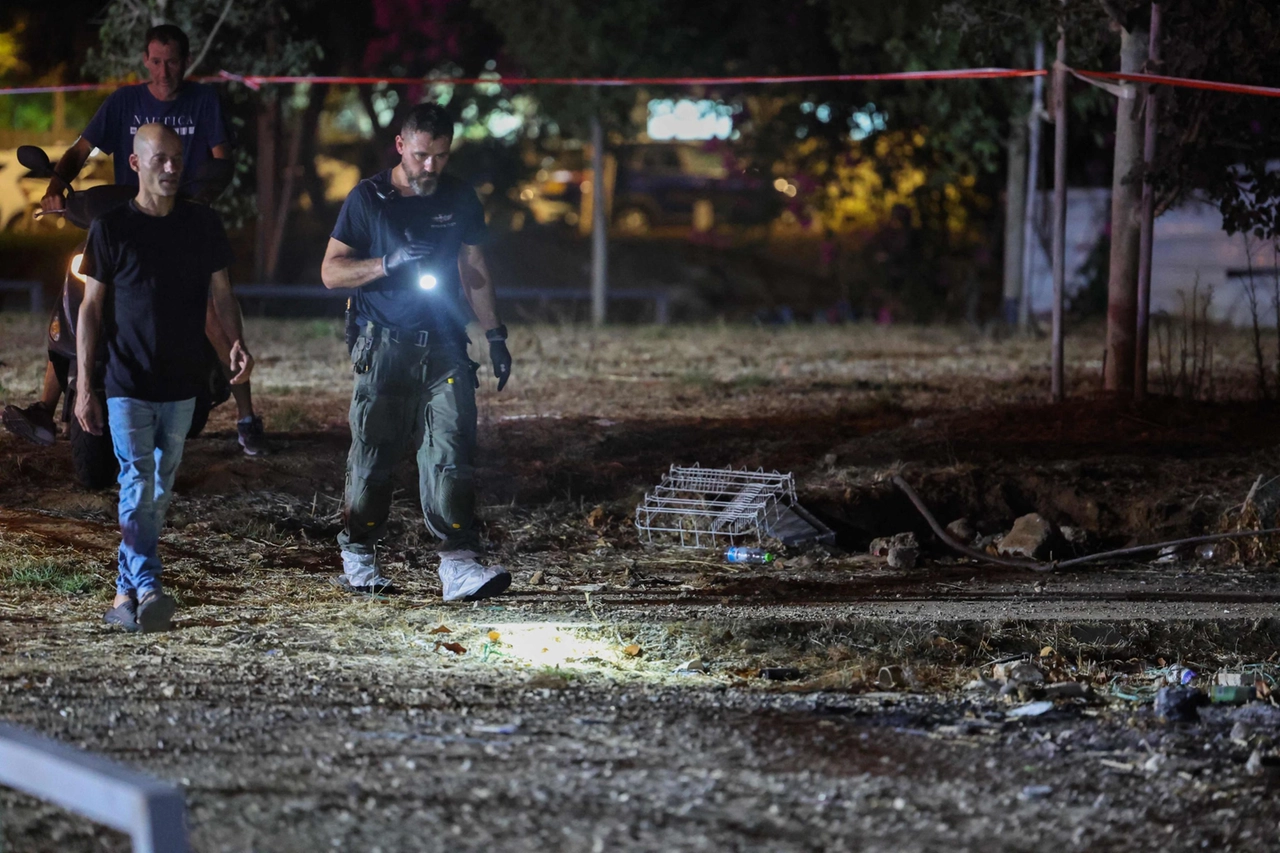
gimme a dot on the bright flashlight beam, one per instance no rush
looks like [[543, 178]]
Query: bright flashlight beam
[[427, 281]]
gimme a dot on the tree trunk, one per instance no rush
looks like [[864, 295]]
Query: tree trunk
[[1126, 210], [1014, 213], [268, 120]]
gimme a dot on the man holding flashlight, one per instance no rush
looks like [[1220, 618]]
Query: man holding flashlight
[[408, 242]]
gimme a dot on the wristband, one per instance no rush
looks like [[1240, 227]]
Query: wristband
[[496, 334]]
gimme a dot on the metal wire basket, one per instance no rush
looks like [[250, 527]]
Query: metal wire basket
[[709, 507]]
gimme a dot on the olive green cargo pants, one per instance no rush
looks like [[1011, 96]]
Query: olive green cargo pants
[[405, 396]]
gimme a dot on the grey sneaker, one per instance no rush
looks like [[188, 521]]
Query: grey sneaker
[[34, 423], [125, 615], [252, 436], [464, 577], [155, 612]]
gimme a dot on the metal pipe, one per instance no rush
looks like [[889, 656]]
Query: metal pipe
[[1059, 211], [599, 228], [1037, 566], [1146, 238], [1033, 182]]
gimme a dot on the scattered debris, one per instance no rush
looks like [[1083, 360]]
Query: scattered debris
[[1075, 536], [456, 648], [1067, 690], [1035, 792], [440, 630], [903, 558], [632, 651], [538, 578], [781, 673], [1179, 704], [692, 665], [882, 546], [1029, 538], [1235, 695], [894, 677], [494, 636], [1031, 709], [962, 530]]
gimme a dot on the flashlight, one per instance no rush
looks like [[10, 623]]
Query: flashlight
[[427, 281]]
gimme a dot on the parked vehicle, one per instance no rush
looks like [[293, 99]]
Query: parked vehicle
[[664, 183], [20, 191], [92, 457]]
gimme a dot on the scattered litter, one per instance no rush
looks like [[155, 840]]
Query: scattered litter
[[781, 673], [508, 729], [882, 546], [588, 587], [1254, 765], [1179, 704], [1035, 792], [1235, 695], [632, 651], [692, 665], [440, 630], [1031, 709], [456, 648], [1067, 690], [751, 556], [894, 676], [605, 422], [987, 684], [494, 636], [537, 578], [707, 507]]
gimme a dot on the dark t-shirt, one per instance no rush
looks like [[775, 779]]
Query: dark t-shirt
[[157, 271], [195, 115], [375, 226]]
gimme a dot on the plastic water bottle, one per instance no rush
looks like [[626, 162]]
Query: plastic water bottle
[[740, 554]]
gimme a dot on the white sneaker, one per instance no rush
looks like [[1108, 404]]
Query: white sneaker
[[361, 572], [464, 577]]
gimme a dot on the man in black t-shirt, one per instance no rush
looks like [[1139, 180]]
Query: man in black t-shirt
[[151, 268], [407, 241], [193, 110]]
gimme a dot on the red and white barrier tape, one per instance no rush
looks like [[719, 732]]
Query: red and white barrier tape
[[256, 82]]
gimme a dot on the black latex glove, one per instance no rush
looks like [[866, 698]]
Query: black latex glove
[[410, 253], [501, 358]]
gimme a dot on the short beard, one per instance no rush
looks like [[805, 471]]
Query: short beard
[[424, 184]]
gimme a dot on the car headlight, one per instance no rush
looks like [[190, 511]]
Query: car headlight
[[76, 262]]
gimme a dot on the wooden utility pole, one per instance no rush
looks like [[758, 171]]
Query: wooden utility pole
[[1059, 208], [599, 228], [1147, 237], [1126, 202]]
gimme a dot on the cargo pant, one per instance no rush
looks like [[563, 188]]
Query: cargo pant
[[411, 395]]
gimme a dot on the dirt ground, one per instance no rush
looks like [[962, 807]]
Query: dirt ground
[[617, 698]]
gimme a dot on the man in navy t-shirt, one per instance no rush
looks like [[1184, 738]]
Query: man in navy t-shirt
[[152, 267], [407, 243], [193, 112]]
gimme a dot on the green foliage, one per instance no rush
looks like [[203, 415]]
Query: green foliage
[[242, 36], [37, 574]]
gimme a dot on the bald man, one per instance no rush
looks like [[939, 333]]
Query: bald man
[[151, 267]]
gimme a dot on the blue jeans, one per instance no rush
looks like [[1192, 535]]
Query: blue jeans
[[147, 439]]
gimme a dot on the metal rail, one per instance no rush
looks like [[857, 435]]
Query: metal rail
[[151, 812], [661, 299]]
